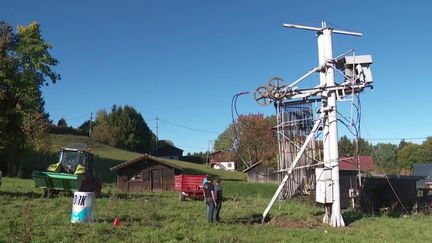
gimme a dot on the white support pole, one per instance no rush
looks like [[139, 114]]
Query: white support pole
[[326, 140], [336, 219]]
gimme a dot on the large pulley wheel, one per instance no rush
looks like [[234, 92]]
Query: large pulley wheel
[[277, 88], [261, 96]]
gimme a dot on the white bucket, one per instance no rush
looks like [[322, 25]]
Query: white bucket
[[82, 207]]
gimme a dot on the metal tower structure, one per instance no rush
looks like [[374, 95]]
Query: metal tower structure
[[295, 121], [357, 76]]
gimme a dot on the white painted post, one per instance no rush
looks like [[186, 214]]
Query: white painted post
[[326, 140], [336, 219]]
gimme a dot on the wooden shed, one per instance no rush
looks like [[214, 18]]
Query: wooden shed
[[348, 175], [146, 173], [259, 173]]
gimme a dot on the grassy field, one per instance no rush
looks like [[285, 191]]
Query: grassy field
[[159, 216]]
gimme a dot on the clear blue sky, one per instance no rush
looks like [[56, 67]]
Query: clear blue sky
[[182, 61]]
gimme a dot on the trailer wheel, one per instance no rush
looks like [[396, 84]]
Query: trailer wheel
[[181, 197]]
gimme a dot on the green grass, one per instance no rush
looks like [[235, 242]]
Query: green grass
[[159, 216]]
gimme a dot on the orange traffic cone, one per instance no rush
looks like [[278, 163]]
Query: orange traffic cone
[[116, 222]]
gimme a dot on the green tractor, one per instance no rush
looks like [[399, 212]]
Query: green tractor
[[74, 172]]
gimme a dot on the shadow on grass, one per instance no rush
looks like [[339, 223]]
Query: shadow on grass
[[128, 196], [29, 195], [352, 216], [248, 220]]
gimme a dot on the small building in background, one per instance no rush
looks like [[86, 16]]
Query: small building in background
[[260, 173], [377, 192], [221, 160], [388, 192], [349, 168], [169, 151], [146, 173], [423, 170], [223, 165]]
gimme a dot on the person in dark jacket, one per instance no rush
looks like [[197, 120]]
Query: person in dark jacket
[[218, 201], [209, 199]]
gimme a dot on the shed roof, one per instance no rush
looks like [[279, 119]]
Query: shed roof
[[146, 157], [252, 166], [351, 164]]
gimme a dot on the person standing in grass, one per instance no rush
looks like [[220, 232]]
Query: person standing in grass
[[209, 199], [205, 179], [218, 201]]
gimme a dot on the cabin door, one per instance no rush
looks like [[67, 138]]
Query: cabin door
[[156, 180]]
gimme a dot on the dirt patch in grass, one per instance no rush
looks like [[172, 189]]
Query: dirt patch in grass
[[311, 223]]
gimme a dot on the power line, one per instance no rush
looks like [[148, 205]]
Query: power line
[[385, 175], [397, 138], [186, 127]]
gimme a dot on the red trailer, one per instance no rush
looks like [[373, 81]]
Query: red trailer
[[189, 186]]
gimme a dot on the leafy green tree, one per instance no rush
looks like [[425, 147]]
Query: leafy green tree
[[364, 147], [124, 128], [250, 139], [424, 152], [346, 147], [354, 147], [62, 123], [406, 156], [386, 154], [25, 66], [86, 126]]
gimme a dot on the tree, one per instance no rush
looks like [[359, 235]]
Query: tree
[[251, 140], [25, 66], [349, 148], [386, 155], [86, 126], [406, 156], [346, 147], [62, 123], [124, 128], [424, 152]]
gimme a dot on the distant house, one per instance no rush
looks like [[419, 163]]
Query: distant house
[[146, 173], [221, 160], [260, 173], [424, 170], [170, 152]]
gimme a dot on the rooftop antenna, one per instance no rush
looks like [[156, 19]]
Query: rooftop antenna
[[357, 77]]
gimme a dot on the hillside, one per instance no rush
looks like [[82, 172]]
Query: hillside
[[107, 157]]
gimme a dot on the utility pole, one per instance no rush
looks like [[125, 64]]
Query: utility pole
[[90, 126], [157, 136]]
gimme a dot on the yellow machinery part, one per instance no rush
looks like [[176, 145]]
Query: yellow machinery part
[[80, 170], [54, 167]]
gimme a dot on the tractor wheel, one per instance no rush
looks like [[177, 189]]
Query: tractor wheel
[[50, 193], [97, 186]]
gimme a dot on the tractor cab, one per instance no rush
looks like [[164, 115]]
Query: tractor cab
[[73, 161]]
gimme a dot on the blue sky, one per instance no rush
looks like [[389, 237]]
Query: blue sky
[[182, 61]]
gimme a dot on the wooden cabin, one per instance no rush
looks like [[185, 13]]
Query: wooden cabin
[[146, 173], [170, 152], [349, 167], [260, 173]]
